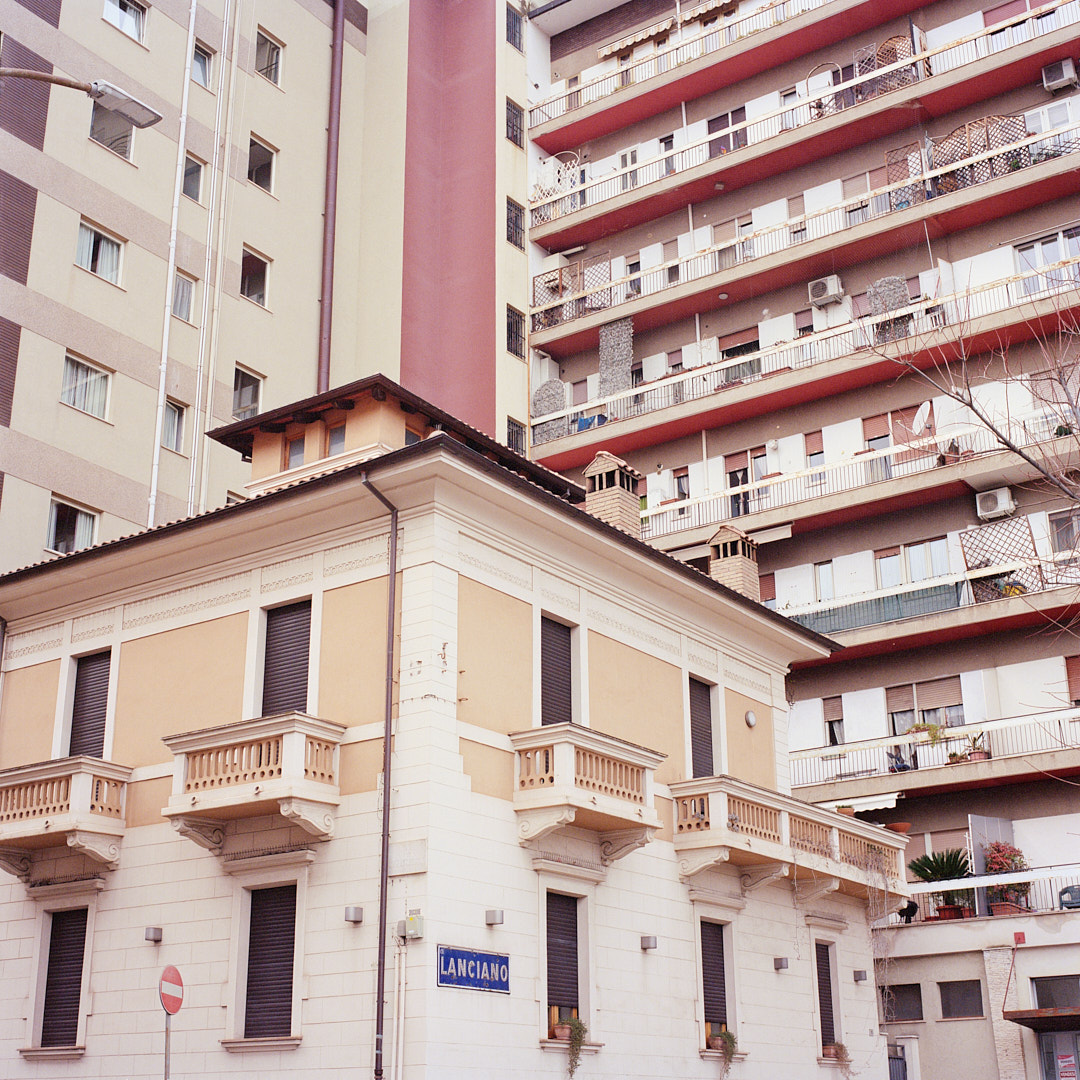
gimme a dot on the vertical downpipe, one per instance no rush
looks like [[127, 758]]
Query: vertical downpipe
[[333, 136]]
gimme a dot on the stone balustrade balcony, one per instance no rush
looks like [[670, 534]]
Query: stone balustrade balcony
[[77, 802], [285, 764]]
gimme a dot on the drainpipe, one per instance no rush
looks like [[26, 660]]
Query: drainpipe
[[333, 132], [384, 856]]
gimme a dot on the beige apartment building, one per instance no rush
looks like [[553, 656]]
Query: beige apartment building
[[588, 811]]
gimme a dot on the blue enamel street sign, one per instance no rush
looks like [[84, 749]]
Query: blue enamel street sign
[[474, 970]]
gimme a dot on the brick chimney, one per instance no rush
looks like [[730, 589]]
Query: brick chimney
[[733, 562], [611, 492]]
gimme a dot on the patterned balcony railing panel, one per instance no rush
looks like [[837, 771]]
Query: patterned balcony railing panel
[[817, 106], [873, 858], [319, 763], [1017, 737], [536, 768], [35, 799], [608, 776], [237, 763], [754, 820], [107, 797], [692, 813], [811, 836]]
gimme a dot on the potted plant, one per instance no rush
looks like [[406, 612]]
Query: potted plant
[[726, 1042], [839, 1052], [945, 865], [956, 757], [1005, 858], [849, 811], [976, 747], [571, 1029], [932, 731]]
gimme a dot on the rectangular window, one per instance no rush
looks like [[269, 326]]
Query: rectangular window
[[823, 580], [271, 954], [63, 978], [902, 1001], [193, 178], [556, 673], [98, 253], [85, 387], [701, 733], [172, 430], [962, 998], [268, 57], [514, 28], [89, 704], [183, 296], [69, 527], [825, 991], [515, 224], [1057, 991], [515, 332], [1072, 674], [260, 164], [245, 395], [126, 15], [767, 585], [713, 978], [285, 658], [515, 123], [563, 998], [833, 709], [254, 271], [202, 63], [515, 435], [1065, 530], [111, 130], [294, 452], [335, 440]]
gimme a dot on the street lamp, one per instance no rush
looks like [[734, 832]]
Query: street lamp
[[105, 94]]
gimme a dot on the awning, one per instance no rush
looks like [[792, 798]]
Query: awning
[[884, 801], [725, 6], [634, 39], [1045, 1019]]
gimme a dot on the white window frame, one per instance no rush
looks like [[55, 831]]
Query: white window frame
[[116, 14], [709, 907], [280, 46], [585, 894], [185, 313], [259, 379], [834, 972], [50, 536], [124, 128], [189, 157], [175, 409], [579, 666], [267, 263], [264, 872], [208, 66], [65, 700], [98, 236], [94, 369]]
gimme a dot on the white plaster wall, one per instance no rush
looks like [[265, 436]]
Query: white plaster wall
[[806, 724], [983, 268], [864, 714], [973, 695], [950, 31], [772, 213], [842, 440]]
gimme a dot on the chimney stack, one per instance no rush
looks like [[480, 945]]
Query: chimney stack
[[733, 562], [611, 493]]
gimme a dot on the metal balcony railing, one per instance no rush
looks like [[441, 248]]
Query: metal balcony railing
[[706, 380], [1017, 736], [816, 107], [593, 290]]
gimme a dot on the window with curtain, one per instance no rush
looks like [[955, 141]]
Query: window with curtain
[[69, 528], [172, 429], [98, 253], [85, 387], [183, 296]]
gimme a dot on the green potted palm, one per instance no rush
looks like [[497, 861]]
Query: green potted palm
[[946, 865]]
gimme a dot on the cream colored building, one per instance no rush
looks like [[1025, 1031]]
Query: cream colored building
[[590, 788]]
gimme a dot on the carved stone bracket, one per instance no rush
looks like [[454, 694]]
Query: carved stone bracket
[[206, 833], [807, 893], [753, 877], [537, 823], [313, 817], [102, 849], [693, 862], [619, 842], [15, 861]]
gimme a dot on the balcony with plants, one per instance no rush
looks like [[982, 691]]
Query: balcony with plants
[[887, 95]]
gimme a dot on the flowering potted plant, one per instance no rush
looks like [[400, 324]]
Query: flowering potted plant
[[1005, 858]]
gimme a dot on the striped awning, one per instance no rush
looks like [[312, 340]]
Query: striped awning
[[635, 39], [701, 10]]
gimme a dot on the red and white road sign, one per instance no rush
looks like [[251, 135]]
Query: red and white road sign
[[171, 990]]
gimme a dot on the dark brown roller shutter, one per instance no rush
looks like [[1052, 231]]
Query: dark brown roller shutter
[[1072, 672], [63, 978], [562, 951], [24, 103], [89, 704], [899, 698], [714, 990], [701, 737], [10, 334], [824, 992], [271, 944], [18, 203], [285, 665], [49, 10], [556, 672]]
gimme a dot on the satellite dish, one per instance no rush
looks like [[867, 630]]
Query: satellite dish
[[918, 425]]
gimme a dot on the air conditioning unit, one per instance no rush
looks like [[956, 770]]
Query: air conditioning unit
[[1058, 75], [826, 290], [994, 504]]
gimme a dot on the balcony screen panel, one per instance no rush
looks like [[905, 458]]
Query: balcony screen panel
[[285, 667], [714, 990], [271, 942], [824, 988], [899, 698], [701, 734], [89, 705], [556, 673], [833, 708], [63, 978], [562, 951], [939, 693]]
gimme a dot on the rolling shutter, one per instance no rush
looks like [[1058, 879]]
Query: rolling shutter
[[734, 462], [825, 992], [271, 943], [89, 705], [813, 442], [873, 427], [285, 666], [767, 585], [833, 708], [562, 951], [701, 737], [714, 992], [938, 693], [1072, 673], [63, 978], [899, 698], [556, 670]]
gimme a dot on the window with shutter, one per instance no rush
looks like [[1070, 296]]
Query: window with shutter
[[63, 978], [562, 956], [556, 673], [285, 658], [833, 709], [89, 705], [823, 958], [1072, 673], [701, 733], [271, 944], [939, 701], [713, 979], [767, 585]]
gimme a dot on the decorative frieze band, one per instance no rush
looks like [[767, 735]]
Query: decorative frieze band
[[748, 680], [628, 623], [187, 601], [287, 574], [43, 639], [472, 552], [98, 625], [557, 593], [371, 551]]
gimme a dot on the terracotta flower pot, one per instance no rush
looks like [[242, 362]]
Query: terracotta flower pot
[[899, 827], [562, 1032], [847, 810]]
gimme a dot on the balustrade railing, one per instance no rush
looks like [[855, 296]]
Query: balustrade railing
[[609, 776], [235, 763], [35, 798]]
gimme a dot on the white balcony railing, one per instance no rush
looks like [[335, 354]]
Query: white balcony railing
[[820, 104]]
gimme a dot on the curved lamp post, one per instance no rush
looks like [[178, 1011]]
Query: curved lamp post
[[104, 93]]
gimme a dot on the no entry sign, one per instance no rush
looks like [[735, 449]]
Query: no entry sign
[[171, 990]]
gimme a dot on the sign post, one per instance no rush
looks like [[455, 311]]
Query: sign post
[[171, 994]]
